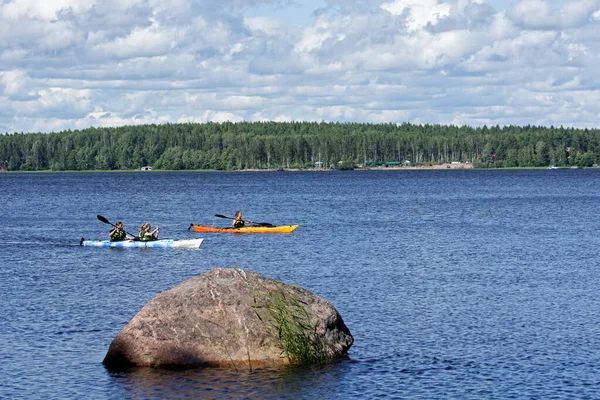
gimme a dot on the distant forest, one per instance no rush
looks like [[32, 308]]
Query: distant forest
[[273, 145]]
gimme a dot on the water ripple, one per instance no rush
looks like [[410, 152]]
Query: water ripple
[[462, 285]]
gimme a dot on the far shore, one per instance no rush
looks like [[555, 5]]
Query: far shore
[[424, 167]]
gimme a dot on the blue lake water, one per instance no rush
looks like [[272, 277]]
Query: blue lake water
[[454, 284]]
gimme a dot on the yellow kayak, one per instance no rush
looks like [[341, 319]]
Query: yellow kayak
[[246, 229]]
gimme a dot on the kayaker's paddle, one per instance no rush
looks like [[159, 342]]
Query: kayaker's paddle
[[101, 218], [246, 220]]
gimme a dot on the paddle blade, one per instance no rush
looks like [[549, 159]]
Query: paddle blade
[[222, 216], [101, 218]]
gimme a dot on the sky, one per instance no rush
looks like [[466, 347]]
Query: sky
[[74, 64]]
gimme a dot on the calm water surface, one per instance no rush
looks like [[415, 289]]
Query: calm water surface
[[454, 284]]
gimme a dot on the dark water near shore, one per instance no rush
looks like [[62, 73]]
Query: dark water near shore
[[454, 284]]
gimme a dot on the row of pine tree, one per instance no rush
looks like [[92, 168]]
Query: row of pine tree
[[272, 145]]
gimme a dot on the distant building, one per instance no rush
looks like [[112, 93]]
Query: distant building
[[319, 164], [147, 168]]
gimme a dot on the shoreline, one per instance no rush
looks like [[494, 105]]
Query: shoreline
[[438, 167]]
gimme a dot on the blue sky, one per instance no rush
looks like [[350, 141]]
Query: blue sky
[[72, 64]]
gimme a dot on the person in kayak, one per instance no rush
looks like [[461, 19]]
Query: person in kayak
[[118, 233], [146, 234], [238, 222]]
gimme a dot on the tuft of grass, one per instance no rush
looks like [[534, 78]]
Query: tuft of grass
[[288, 320], [290, 323]]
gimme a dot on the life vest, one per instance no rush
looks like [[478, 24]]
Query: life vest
[[117, 236], [238, 223], [144, 237]]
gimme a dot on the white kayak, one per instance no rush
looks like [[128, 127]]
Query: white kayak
[[168, 243]]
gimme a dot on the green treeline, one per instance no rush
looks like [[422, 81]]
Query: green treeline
[[269, 145]]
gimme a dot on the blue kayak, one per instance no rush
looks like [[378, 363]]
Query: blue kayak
[[164, 243]]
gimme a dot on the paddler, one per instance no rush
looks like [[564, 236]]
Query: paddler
[[238, 222], [145, 234], [118, 233]]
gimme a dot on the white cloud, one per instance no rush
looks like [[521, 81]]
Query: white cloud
[[220, 116], [540, 14], [419, 13], [267, 25], [141, 42], [314, 37], [71, 64], [55, 100], [44, 10], [14, 82]]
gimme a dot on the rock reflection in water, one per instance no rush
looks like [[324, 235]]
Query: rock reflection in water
[[287, 382]]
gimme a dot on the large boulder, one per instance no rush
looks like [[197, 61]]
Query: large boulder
[[231, 317]]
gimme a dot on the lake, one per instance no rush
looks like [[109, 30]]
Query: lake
[[455, 284]]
